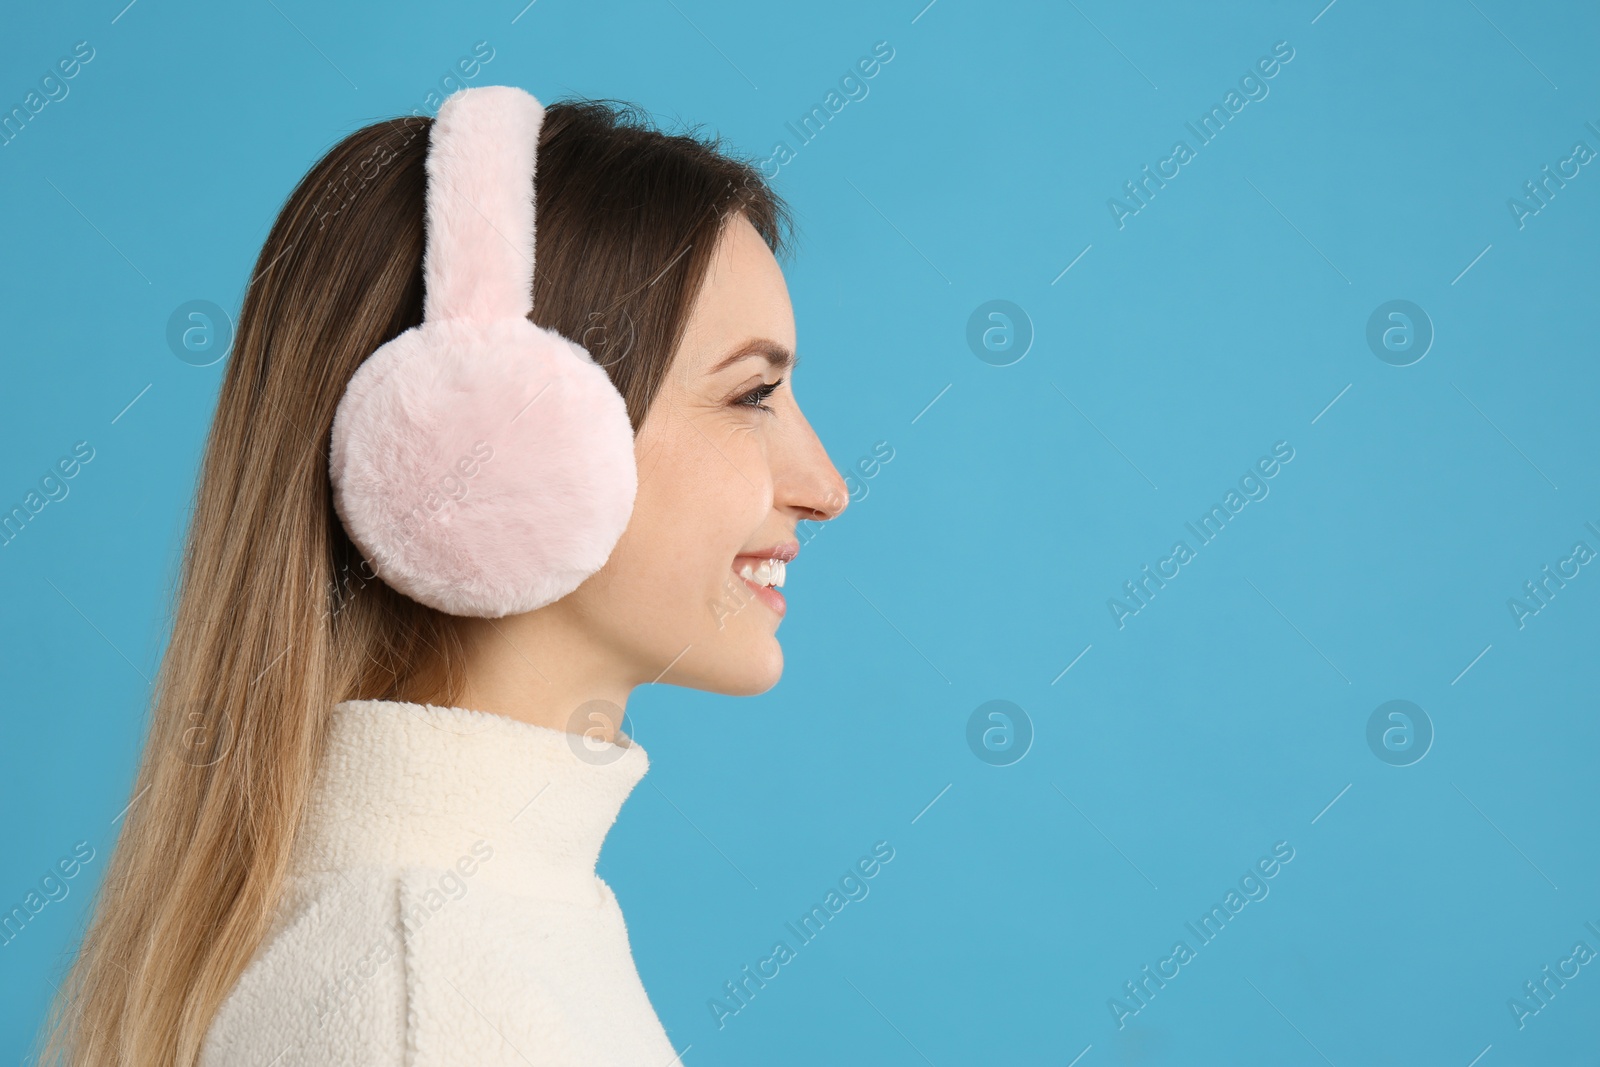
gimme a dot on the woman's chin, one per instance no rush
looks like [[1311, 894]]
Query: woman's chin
[[747, 669]]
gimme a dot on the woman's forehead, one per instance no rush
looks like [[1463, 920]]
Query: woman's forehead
[[744, 299]]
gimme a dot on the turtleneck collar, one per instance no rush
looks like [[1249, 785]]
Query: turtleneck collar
[[415, 785]]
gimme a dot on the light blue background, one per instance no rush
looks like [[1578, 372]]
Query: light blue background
[[1225, 316]]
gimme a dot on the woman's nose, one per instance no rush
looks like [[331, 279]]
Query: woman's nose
[[809, 483]]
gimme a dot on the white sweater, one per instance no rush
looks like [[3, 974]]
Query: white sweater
[[443, 906]]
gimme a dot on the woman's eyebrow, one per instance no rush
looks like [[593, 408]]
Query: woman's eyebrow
[[777, 355]]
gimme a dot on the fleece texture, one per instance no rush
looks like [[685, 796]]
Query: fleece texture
[[443, 908], [484, 465]]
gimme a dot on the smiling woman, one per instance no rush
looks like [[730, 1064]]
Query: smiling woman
[[322, 758]]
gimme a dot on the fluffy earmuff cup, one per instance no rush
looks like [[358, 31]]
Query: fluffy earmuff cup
[[484, 468]]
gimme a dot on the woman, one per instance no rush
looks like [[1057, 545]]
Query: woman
[[364, 830]]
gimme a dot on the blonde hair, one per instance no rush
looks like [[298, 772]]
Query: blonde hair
[[277, 618]]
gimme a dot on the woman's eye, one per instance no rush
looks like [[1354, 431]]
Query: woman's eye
[[760, 393]]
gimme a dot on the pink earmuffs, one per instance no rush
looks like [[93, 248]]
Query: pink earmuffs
[[483, 464]]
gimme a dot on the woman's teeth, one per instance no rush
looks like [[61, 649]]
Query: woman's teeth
[[767, 572]]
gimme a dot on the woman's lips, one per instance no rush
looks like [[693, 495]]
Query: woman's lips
[[772, 598], [786, 552]]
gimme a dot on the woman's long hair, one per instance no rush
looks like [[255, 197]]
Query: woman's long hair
[[277, 617]]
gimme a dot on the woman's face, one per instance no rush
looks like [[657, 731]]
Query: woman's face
[[728, 466]]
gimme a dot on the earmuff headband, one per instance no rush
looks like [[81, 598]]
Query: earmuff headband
[[478, 262]]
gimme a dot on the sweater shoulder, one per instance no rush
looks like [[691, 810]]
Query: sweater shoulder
[[382, 967], [327, 983]]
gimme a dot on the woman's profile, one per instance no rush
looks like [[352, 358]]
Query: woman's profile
[[386, 738]]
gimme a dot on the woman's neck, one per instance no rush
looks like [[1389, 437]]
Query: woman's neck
[[539, 669]]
